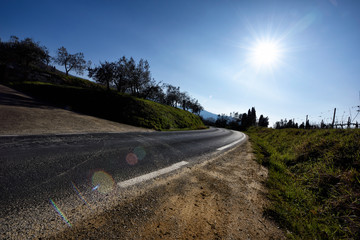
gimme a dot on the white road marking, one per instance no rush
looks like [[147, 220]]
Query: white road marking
[[231, 144], [151, 175]]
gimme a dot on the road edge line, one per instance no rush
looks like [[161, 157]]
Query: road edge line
[[231, 144], [148, 176]]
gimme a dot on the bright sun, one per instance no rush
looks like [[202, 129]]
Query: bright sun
[[265, 54]]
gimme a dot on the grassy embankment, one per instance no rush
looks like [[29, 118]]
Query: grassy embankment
[[90, 98], [314, 180]]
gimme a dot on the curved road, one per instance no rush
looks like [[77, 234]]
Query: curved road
[[35, 169]]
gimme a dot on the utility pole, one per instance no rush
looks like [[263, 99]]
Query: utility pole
[[333, 121]]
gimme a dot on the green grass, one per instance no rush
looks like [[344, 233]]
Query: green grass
[[314, 180], [83, 96]]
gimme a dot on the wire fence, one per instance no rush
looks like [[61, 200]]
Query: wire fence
[[336, 118]]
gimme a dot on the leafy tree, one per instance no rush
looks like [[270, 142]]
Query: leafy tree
[[142, 78], [185, 101], [104, 73], [154, 92], [263, 121], [245, 121], [221, 121], [130, 72], [74, 62], [242, 121], [121, 78], [23, 52], [209, 121], [172, 97], [196, 107], [235, 124], [252, 116], [14, 39], [287, 124], [135, 78], [32, 52]]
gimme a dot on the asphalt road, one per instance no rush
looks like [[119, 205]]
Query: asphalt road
[[35, 169]]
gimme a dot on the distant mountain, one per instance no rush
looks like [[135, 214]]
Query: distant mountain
[[205, 114], [209, 115]]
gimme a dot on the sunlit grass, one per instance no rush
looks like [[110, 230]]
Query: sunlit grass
[[112, 105], [314, 180]]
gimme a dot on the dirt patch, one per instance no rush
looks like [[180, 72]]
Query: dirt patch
[[22, 115], [223, 198]]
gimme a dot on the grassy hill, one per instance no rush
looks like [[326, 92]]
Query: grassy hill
[[314, 180], [90, 98]]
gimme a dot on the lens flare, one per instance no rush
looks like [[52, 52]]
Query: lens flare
[[135, 156], [131, 159], [140, 153], [103, 182], [60, 212], [94, 188], [80, 195]]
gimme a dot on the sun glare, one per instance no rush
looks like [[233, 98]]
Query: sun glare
[[265, 54]]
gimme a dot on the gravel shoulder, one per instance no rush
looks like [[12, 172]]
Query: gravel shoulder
[[221, 198], [23, 115]]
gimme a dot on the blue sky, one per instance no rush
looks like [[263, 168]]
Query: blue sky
[[207, 47]]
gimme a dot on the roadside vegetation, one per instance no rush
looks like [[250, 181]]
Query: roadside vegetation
[[314, 180], [239, 121], [124, 91], [112, 106]]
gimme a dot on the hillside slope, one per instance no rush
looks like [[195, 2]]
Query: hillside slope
[[23, 115], [86, 97]]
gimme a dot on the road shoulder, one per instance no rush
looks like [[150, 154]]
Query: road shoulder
[[222, 198]]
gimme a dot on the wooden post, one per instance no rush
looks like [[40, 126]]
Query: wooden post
[[333, 121]]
